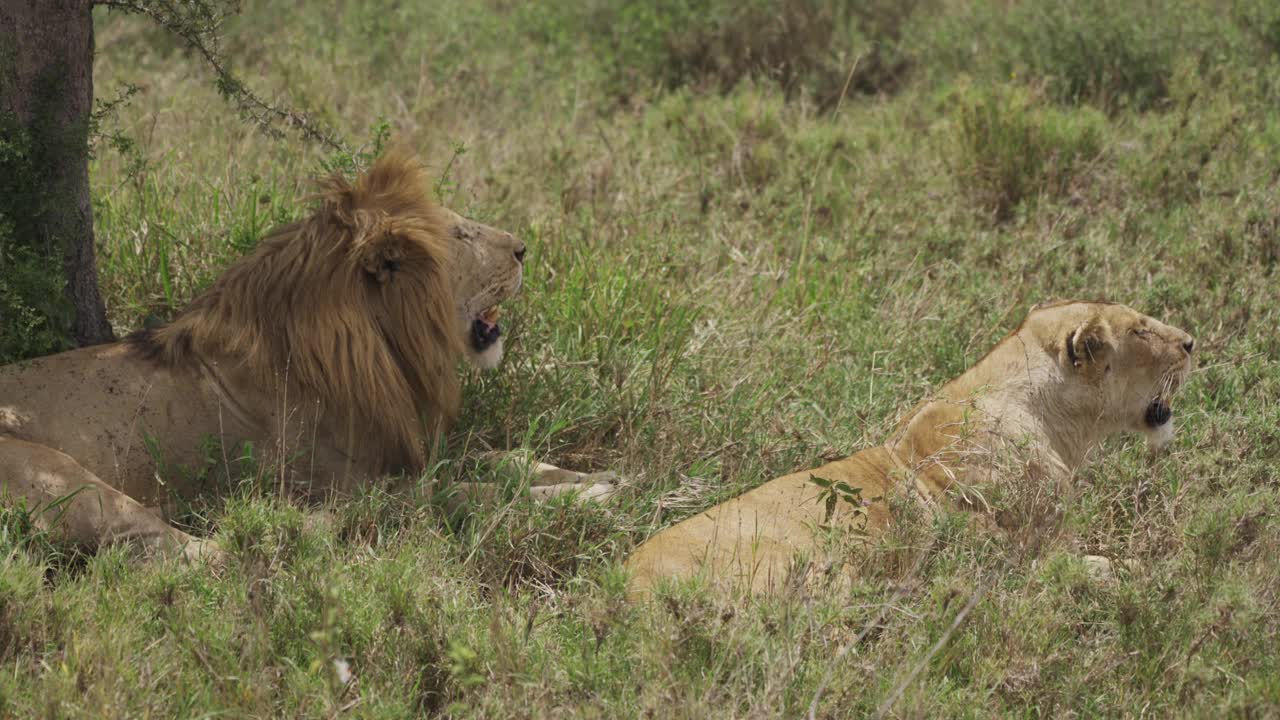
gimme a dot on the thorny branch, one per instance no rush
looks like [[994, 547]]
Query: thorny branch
[[198, 24]]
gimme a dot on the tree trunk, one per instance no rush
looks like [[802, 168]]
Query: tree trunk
[[46, 90]]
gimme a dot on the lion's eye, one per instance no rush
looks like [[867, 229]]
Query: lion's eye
[[1140, 332]]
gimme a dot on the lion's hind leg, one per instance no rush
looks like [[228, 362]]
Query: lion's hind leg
[[72, 502]]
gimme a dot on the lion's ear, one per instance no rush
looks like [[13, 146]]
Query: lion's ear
[[1090, 346], [381, 257]]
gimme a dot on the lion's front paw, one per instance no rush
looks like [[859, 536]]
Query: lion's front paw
[[599, 487], [1099, 568], [208, 552], [585, 487]]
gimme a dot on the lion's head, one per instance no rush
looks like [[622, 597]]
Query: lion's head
[[364, 307], [1120, 367], [487, 269]]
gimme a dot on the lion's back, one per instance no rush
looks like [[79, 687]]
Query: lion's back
[[102, 405]]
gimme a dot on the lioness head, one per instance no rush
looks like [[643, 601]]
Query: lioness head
[[488, 268], [1121, 367]]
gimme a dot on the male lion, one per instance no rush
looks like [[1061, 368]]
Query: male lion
[[1070, 375], [332, 348]]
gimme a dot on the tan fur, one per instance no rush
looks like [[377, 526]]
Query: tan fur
[[301, 309], [332, 349], [1070, 375]]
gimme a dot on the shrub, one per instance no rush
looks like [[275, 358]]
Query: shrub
[[737, 137], [34, 315], [1011, 148], [1260, 19], [1187, 147], [1109, 52], [1113, 54], [31, 304], [814, 46]]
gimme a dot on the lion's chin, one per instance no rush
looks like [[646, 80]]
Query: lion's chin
[[1158, 438], [484, 339], [489, 358]]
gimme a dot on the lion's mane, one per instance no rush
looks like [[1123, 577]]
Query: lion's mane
[[351, 308]]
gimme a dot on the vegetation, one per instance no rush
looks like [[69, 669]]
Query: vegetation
[[740, 263]]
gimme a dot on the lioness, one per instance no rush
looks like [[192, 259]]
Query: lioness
[[332, 348], [1069, 376]]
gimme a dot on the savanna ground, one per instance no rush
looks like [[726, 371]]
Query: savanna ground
[[759, 233]]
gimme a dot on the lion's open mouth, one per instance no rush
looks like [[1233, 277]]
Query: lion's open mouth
[[485, 330], [1158, 413], [1157, 419]]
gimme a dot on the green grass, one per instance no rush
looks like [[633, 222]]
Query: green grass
[[735, 271]]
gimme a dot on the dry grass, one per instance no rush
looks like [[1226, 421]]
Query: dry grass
[[722, 287]]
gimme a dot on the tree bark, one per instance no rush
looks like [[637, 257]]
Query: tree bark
[[46, 89]]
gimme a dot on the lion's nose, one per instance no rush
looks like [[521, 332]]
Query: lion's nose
[[520, 254], [1189, 345]]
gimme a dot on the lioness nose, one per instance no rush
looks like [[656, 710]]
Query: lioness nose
[[1189, 345], [520, 254]]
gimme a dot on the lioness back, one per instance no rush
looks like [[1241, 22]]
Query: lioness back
[[750, 541]]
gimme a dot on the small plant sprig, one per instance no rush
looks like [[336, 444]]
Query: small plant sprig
[[447, 183], [354, 161], [836, 491]]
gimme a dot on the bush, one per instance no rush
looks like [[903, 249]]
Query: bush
[[31, 304], [1191, 147], [1113, 54], [34, 316], [813, 46], [737, 137], [1011, 148], [1108, 52], [1260, 19]]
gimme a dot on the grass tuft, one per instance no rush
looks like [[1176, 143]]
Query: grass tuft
[[1011, 148]]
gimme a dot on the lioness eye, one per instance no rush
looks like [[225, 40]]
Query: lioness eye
[[1140, 333]]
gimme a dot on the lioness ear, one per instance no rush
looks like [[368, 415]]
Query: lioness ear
[[1090, 345], [381, 257]]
